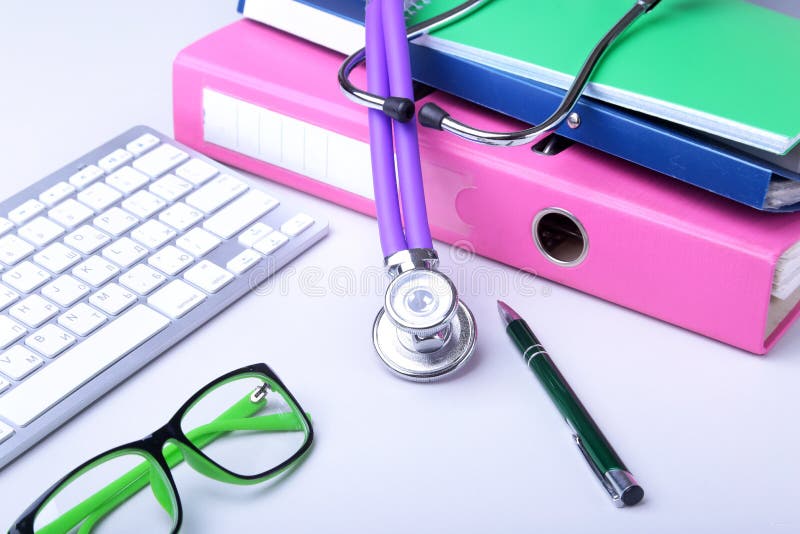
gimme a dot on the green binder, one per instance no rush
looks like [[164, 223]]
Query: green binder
[[726, 67]]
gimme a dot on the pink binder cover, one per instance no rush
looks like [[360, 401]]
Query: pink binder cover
[[655, 245]]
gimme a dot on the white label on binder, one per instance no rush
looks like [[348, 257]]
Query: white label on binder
[[287, 142]]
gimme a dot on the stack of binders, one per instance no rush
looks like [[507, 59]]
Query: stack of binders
[[572, 209]]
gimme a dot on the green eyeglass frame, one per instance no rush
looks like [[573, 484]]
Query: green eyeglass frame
[[167, 447]]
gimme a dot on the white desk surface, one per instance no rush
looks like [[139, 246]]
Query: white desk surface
[[711, 432]]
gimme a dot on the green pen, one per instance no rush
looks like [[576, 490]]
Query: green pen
[[613, 475]]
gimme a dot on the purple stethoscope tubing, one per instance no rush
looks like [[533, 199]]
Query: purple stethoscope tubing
[[389, 72], [380, 139]]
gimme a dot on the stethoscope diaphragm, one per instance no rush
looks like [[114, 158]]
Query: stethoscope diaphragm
[[423, 331], [418, 363]]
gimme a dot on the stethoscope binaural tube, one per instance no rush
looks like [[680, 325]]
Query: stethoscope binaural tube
[[390, 73], [423, 331], [433, 116], [387, 203], [409, 169]]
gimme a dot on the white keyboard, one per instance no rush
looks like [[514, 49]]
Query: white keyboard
[[116, 257]]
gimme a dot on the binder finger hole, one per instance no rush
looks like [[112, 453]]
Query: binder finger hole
[[560, 236]]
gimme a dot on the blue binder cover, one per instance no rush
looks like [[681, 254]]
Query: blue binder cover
[[675, 151]]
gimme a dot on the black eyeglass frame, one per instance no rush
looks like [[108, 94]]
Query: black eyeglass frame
[[153, 445]]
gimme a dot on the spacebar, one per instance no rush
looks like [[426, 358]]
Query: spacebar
[[75, 367]]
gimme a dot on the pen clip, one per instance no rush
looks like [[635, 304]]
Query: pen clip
[[615, 496]]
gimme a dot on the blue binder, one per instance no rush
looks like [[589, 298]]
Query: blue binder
[[658, 145]]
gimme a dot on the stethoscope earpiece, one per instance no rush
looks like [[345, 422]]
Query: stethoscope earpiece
[[423, 331]]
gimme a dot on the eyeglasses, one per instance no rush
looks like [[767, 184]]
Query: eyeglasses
[[243, 428]]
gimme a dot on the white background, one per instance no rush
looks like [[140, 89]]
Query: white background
[[711, 432]]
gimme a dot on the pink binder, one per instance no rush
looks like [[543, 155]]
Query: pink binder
[[268, 102]]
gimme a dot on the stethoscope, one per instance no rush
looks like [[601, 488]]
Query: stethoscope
[[424, 331]]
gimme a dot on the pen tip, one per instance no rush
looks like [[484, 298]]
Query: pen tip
[[506, 313]]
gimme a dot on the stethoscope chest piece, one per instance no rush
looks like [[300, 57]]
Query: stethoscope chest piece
[[423, 331]]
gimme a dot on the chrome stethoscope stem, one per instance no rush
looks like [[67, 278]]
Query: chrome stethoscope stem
[[353, 93]]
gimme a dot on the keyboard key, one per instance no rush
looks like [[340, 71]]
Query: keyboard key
[[95, 270], [160, 160], [7, 296], [176, 299], [216, 193], [70, 213], [142, 279], [271, 243], [5, 430], [26, 211], [87, 239], [26, 277], [10, 331], [115, 221], [5, 225], [56, 194], [142, 144], [180, 216], [143, 204], [115, 160], [124, 252], [112, 299], [18, 362], [153, 234], [33, 311], [80, 364], [198, 242], [170, 187], [99, 196], [208, 276], [40, 231], [255, 233], [126, 180], [170, 260], [57, 257], [4, 385], [50, 340], [65, 290], [196, 171], [297, 224], [239, 213], [82, 319], [13, 249], [243, 261], [86, 176]]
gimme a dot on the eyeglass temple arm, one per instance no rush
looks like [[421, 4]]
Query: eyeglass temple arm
[[94, 508], [433, 116]]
